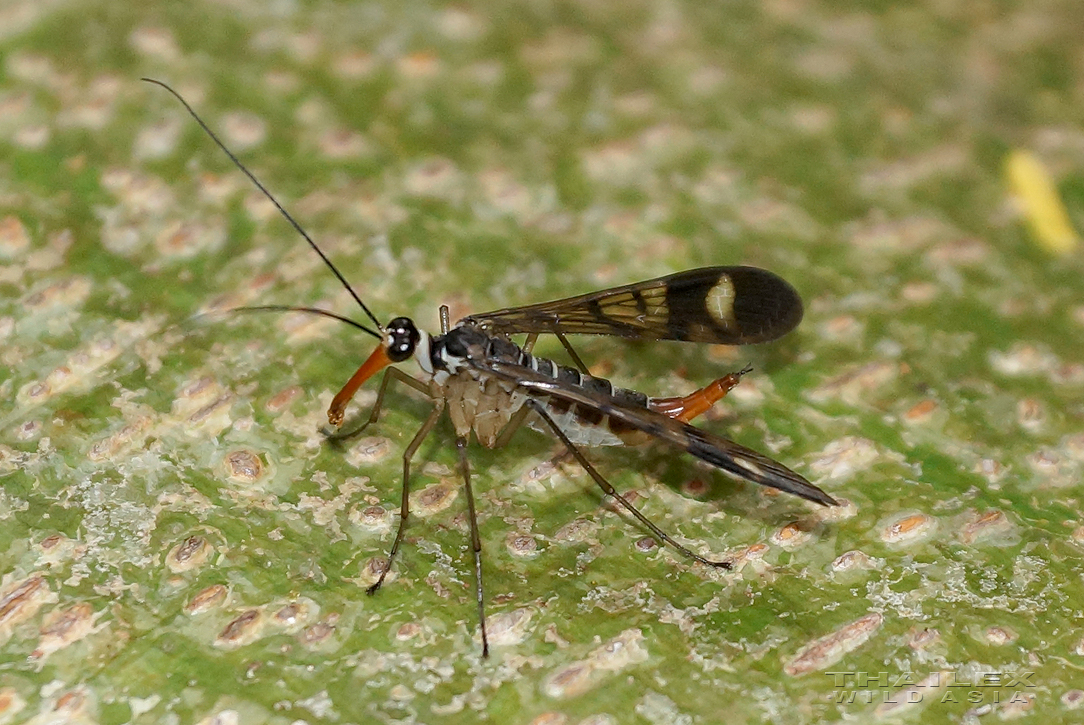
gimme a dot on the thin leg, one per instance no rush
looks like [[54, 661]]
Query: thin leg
[[611, 491], [513, 425], [528, 344], [572, 353], [404, 507], [475, 540], [520, 415], [389, 374]]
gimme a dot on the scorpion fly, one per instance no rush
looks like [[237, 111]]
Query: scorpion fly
[[490, 386]]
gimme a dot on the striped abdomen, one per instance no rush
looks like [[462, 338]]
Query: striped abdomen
[[584, 425], [485, 405]]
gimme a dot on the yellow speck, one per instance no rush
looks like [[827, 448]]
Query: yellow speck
[[1046, 215]]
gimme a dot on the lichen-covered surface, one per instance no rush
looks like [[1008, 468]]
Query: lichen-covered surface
[[179, 543]]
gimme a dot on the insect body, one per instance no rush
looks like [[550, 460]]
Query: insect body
[[490, 386]]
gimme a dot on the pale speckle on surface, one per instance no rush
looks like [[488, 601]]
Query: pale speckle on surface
[[222, 717], [908, 699], [140, 194], [506, 195], [846, 509], [243, 131], [374, 518], [461, 24], [58, 548], [14, 238], [435, 178], [398, 693], [318, 633], [855, 560], [657, 708], [911, 171], [294, 616], [924, 638], [243, 466], [207, 599], [1077, 537], [843, 458], [1020, 706], [368, 450], [509, 628], [792, 536], [1031, 414], [576, 531], [993, 471], [615, 163], [919, 293], [615, 655], [521, 545], [419, 66], [69, 292], [921, 412], [877, 233], [157, 42], [1050, 464], [601, 719], [842, 328], [408, 631], [857, 385], [1072, 699], [533, 480], [908, 528], [158, 140], [751, 555], [62, 627], [11, 703], [343, 143], [1067, 374], [75, 705], [129, 437], [1000, 636], [217, 189], [353, 64], [829, 649], [987, 525], [243, 629], [183, 240], [190, 554], [21, 600], [284, 398], [371, 569], [550, 718], [569, 681], [1023, 359], [433, 499]]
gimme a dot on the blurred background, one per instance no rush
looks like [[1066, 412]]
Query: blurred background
[[179, 542]]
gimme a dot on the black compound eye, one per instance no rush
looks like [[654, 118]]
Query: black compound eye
[[403, 337]]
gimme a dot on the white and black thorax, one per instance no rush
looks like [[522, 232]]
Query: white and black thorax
[[478, 401]]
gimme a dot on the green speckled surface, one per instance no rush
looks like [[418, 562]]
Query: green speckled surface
[[178, 543]]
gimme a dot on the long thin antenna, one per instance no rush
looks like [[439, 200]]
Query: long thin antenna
[[270, 196], [306, 310]]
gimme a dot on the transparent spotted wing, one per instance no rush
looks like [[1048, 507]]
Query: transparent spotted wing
[[725, 305]]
